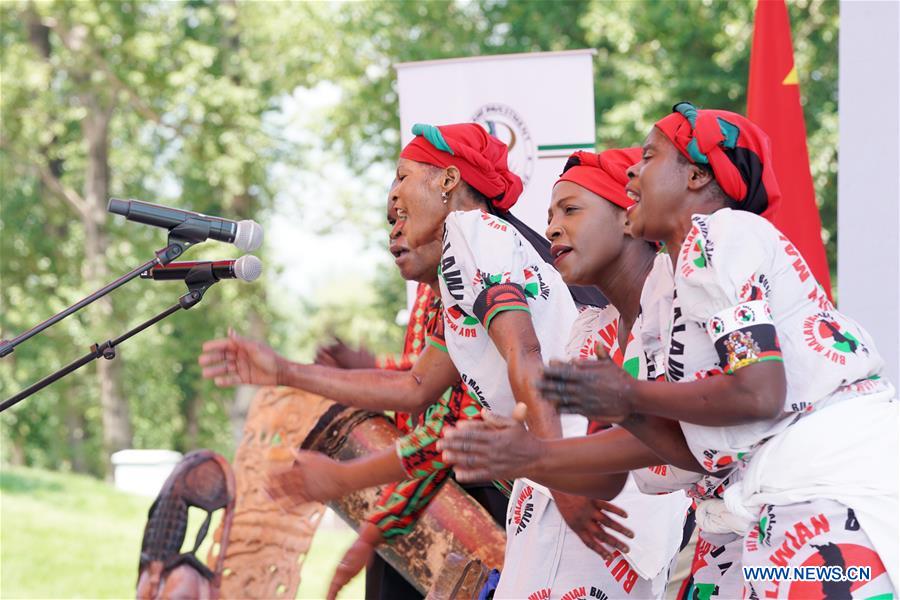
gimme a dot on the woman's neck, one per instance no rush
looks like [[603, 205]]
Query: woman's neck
[[435, 286], [623, 282], [674, 240], [704, 206], [462, 202]]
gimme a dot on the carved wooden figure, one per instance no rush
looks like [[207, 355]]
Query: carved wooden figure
[[203, 479]]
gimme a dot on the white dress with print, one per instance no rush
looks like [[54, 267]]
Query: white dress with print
[[743, 294], [488, 268], [656, 520]]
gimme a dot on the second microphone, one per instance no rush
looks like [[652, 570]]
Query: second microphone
[[245, 268]]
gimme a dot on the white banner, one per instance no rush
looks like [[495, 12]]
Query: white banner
[[541, 104], [868, 217]]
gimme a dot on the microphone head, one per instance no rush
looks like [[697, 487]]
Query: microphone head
[[247, 267], [118, 207], [249, 235]]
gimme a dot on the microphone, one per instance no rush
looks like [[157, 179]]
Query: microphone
[[246, 268], [246, 235]]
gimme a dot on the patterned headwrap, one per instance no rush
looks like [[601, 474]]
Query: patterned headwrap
[[735, 148], [479, 156], [604, 173]]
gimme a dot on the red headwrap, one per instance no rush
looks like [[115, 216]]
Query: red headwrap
[[480, 158], [604, 173], [735, 148]]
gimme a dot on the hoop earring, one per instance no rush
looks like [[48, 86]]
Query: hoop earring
[[445, 197]]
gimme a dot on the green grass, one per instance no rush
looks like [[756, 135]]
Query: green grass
[[70, 536]]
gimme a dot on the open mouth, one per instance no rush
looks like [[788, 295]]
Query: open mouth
[[399, 251], [558, 252], [633, 196]]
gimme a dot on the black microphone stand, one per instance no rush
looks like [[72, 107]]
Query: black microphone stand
[[199, 279], [181, 237]]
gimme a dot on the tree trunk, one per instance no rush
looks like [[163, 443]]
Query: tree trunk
[[242, 207], [116, 415], [116, 418]]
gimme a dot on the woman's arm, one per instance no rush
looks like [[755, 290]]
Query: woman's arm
[[753, 393], [499, 447], [306, 476], [513, 334], [378, 389], [665, 439], [235, 360], [601, 390]]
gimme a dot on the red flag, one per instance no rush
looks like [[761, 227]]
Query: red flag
[[773, 103]]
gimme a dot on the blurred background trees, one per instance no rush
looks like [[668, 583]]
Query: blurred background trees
[[190, 103]]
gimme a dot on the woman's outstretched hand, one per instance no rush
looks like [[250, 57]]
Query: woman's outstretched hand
[[590, 519], [234, 360], [496, 447], [298, 476], [597, 389]]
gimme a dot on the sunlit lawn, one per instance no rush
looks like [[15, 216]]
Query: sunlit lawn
[[70, 536]]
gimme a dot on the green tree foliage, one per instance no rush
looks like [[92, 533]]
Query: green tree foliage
[[184, 89]]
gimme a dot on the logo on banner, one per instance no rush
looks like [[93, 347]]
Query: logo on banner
[[505, 124]]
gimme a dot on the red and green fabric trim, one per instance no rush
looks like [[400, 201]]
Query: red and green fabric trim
[[499, 298], [417, 450], [763, 357], [436, 336], [401, 504], [438, 343]]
